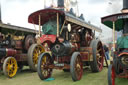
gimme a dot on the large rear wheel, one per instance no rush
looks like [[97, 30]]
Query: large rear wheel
[[98, 56], [33, 53], [76, 66], [28, 41], [43, 70], [111, 75], [10, 67]]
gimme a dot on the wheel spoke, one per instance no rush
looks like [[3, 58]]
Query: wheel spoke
[[46, 72], [78, 68], [99, 63], [99, 50]]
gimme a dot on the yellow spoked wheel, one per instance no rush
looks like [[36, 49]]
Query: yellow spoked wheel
[[33, 53], [10, 67]]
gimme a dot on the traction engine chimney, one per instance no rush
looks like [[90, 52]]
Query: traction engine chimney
[[60, 4], [125, 6], [125, 10]]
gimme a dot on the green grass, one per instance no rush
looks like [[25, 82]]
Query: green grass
[[26, 77]]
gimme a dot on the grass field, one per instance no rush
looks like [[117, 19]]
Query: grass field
[[26, 77]]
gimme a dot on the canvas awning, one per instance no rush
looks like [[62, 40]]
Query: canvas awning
[[117, 18]]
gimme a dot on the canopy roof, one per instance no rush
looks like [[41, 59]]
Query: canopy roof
[[117, 18], [6, 28], [46, 14]]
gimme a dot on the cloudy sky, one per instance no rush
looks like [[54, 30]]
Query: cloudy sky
[[16, 12]]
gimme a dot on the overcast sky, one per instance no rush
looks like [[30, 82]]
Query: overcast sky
[[16, 12]]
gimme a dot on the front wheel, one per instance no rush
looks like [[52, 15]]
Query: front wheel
[[33, 53], [10, 67], [76, 66], [111, 75], [43, 70], [98, 56]]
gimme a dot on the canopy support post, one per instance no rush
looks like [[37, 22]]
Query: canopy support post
[[39, 25], [62, 27], [113, 36], [57, 25]]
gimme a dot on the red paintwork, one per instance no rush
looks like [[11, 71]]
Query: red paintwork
[[46, 14], [45, 38], [63, 59], [123, 53], [79, 75], [84, 56], [113, 76], [100, 63], [10, 52]]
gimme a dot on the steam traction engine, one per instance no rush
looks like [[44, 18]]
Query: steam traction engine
[[119, 66], [69, 43], [15, 49]]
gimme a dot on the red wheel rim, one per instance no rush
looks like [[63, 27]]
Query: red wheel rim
[[100, 57], [78, 68], [113, 76], [46, 72]]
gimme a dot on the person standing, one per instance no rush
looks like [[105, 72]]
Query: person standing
[[106, 52]]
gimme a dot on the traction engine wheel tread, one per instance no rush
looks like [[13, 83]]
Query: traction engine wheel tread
[[95, 63], [10, 67], [33, 52], [76, 66], [111, 75], [42, 69], [29, 40]]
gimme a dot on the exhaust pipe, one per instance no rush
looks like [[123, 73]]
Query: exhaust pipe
[[60, 3]]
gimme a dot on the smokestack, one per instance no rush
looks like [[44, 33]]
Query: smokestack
[[125, 6], [60, 3], [125, 10]]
